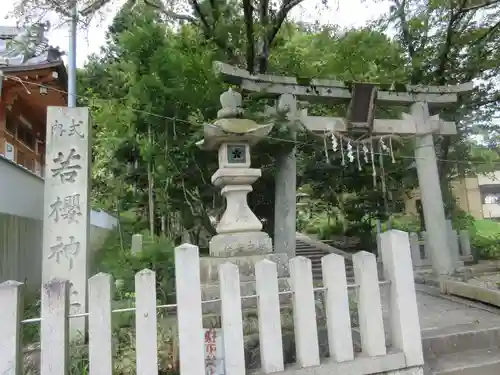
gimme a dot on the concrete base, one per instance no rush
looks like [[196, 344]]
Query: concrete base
[[209, 266], [238, 244]]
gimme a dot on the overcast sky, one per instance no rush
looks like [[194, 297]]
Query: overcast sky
[[347, 13]]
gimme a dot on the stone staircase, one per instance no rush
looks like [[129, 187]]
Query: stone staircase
[[311, 250], [469, 343], [463, 352]]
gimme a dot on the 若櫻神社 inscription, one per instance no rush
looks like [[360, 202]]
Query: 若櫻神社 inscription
[[67, 167], [67, 208], [65, 249], [66, 203]]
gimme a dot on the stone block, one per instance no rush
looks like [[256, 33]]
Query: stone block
[[473, 292], [243, 243], [209, 266]]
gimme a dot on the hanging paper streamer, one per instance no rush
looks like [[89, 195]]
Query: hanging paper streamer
[[392, 152], [382, 172], [327, 157], [374, 173], [383, 146], [357, 157], [350, 155], [335, 144], [365, 153], [342, 152]]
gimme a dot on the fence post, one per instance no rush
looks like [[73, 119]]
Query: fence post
[[405, 325], [338, 319], [100, 344], [371, 323], [54, 337], [146, 346], [11, 313], [189, 316], [271, 342], [232, 319], [304, 312]]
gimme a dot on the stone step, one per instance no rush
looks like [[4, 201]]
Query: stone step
[[471, 362], [310, 252], [316, 258], [440, 342]]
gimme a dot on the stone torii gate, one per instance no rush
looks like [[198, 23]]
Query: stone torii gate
[[361, 100]]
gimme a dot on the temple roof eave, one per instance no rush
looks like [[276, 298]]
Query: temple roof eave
[[57, 66]]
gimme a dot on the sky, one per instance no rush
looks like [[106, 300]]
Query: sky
[[346, 13]]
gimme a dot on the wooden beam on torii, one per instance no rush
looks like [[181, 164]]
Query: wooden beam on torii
[[418, 122]]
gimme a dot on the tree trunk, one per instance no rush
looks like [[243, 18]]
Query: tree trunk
[[150, 188]]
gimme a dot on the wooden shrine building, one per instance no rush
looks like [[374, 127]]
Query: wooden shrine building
[[32, 77]]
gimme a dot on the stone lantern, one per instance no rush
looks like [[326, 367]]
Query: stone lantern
[[239, 237], [239, 231]]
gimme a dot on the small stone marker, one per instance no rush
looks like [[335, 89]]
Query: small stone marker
[[416, 256], [66, 221], [214, 351], [465, 243], [453, 243], [136, 244]]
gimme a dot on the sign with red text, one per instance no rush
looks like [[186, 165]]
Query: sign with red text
[[214, 351]]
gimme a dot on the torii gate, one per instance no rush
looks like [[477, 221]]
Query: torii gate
[[362, 99]]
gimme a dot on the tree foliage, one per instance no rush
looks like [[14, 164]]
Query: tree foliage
[[153, 87]]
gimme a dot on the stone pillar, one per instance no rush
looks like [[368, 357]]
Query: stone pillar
[[285, 208], [285, 202], [430, 191], [66, 223]]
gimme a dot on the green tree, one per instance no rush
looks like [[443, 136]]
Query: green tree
[[448, 43]]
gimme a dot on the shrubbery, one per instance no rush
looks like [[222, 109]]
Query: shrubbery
[[485, 238], [157, 255]]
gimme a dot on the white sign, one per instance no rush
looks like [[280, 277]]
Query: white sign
[[214, 351], [9, 151]]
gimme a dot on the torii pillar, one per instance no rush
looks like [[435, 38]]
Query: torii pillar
[[285, 190], [430, 190]]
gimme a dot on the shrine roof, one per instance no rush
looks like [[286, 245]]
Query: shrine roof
[[27, 49], [24, 50]]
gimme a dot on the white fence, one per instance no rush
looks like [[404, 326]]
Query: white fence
[[459, 243], [406, 351]]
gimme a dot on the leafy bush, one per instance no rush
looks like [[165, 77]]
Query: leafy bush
[[485, 238], [157, 255], [325, 227], [407, 223]]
